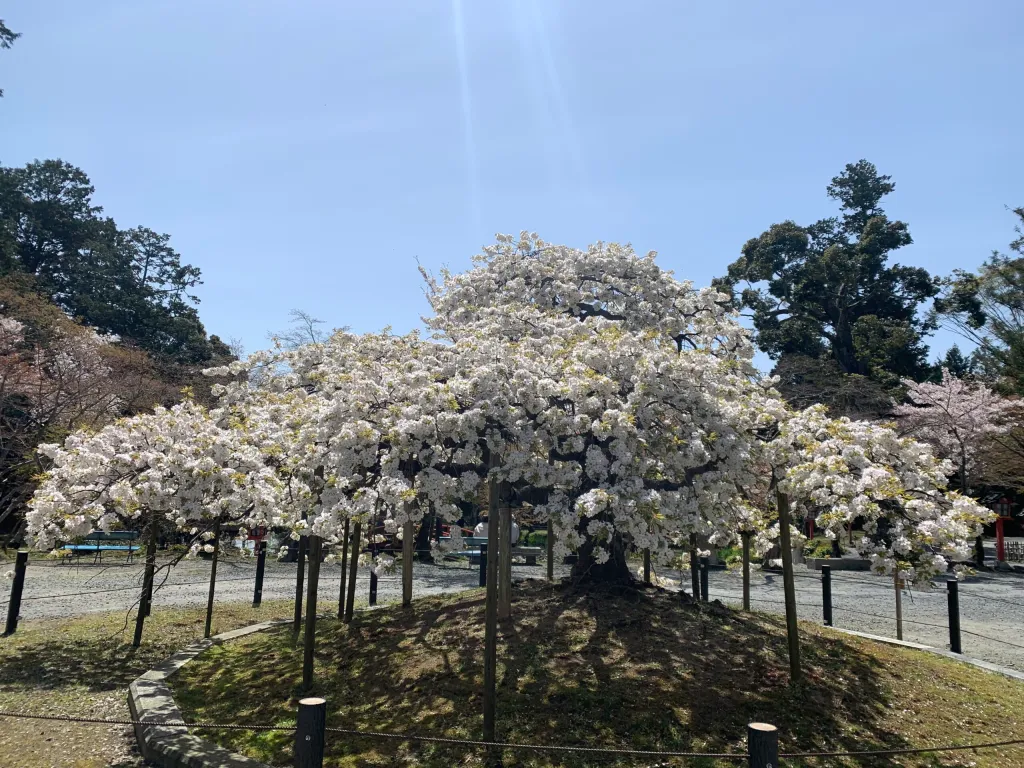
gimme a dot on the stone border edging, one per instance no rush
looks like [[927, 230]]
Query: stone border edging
[[149, 698], [986, 665]]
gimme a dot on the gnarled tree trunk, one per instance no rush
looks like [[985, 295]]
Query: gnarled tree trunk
[[615, 570]]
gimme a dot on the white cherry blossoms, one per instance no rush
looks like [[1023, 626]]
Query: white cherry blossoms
[[839, 470], [175, 463]]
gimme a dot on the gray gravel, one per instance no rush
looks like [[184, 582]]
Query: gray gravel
[[991, 604], [53, 591]]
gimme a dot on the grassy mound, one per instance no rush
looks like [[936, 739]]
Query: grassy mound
[[638, 670]]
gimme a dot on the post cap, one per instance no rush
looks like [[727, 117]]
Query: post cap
[[313, 701], [766, 727]]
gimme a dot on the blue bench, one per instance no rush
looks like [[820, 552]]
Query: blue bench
[[98, 542]]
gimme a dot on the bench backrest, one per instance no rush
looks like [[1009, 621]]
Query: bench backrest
[[112, 536]]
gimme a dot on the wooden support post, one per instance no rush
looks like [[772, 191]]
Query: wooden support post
[[898, 582], [550, 546], [694, 568], [300, 575], [309, 735], [148, 598], [309, 641], [787, 581], [704, 592], [826, 594], [647, 566], [344, 570], [491, 608], [213, 578], [17, 586], [261, 565], [147, 586], [353, 565], [746, 570], [408, 546], [504, 561], [762, 746], [953, 601], [147, 601]]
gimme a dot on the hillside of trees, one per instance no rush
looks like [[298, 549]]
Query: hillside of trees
[[96, 321]]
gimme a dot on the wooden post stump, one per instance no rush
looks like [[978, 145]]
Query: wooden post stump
[[310, 733], [762, 746]]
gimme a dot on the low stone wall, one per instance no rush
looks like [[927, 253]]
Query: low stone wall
[[150, 699]]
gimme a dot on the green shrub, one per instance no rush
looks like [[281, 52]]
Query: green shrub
[[730, 555], [820, 547], [535, 539]]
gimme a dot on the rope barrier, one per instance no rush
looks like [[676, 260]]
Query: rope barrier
[[905, 751], [378, 735], [509, 744], [889, 618], [991, 599], [993, 639]]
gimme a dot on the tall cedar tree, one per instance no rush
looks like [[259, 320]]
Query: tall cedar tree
[[823, 296]]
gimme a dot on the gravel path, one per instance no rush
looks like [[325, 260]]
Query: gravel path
[[52, 591], [991, 604]]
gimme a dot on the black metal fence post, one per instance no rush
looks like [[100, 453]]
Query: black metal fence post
[[953, 598], [762, 746], [261, 564], [826, 594], [309, 735], [483, 565], [704, 579], [14, 607], [373, 586]]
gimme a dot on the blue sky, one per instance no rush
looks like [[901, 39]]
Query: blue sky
[[306, 154]]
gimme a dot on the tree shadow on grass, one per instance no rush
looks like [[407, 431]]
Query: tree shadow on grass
[[91, 664], [95, 653], [640, 670]]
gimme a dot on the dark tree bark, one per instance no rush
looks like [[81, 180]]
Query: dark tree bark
[[613, 571], [423, 539]]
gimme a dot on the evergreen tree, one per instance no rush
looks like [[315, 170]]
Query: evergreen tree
[[826, 291]]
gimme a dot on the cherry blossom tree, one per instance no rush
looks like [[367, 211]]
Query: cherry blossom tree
[[57, 376], [174, 467], [839, 470], [958, 418], [618, 402]]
